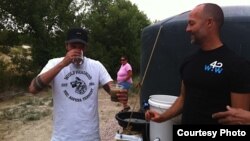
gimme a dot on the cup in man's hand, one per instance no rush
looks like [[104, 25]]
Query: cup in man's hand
[[78, 61], [114, 89]]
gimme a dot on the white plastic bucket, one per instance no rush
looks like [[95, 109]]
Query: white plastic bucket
[[164, 130]]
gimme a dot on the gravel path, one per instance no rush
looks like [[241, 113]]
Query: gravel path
[[107, 111]]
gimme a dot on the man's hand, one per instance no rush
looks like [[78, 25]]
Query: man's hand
[[233, 116], [70, 56], [152, 115]]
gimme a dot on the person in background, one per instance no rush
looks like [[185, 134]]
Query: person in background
[[233, 116], [124, 78], [75, 80], [213, 77]]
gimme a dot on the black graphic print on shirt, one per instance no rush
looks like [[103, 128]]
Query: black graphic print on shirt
[[78, 85]]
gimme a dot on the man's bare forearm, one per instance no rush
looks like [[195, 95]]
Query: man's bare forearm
[[44, 79]]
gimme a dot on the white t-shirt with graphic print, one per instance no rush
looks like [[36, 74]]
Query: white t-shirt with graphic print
[[75, 99]]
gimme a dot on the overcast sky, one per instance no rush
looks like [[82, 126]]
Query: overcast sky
[[162, 9]]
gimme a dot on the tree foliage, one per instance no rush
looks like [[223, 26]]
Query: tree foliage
[[43, 21], [115, 28]]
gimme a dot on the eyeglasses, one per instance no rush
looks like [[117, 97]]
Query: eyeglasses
[[123, 59]]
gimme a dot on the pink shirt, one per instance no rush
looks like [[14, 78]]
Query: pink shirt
[[123, 72]]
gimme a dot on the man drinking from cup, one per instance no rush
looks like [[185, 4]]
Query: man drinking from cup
[[75, 80]]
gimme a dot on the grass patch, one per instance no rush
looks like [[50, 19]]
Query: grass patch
[[29, 109]]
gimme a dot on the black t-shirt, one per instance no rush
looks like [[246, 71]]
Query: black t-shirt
[[209, 77]]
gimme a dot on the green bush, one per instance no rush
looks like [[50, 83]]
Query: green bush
[[5, 49], [18, 72], [3, 76]]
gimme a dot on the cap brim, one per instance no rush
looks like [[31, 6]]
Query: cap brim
[[76, 41]]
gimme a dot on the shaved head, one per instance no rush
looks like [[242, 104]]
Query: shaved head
[[214, 11], [204, 25]]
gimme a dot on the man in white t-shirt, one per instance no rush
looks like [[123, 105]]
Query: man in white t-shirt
[[75, 80]]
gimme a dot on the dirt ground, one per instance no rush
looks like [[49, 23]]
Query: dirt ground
[[28, 117]]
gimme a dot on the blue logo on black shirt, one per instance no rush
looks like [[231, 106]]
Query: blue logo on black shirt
[[215, 67]]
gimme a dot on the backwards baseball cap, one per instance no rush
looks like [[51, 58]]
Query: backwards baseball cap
[[77, 35]]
